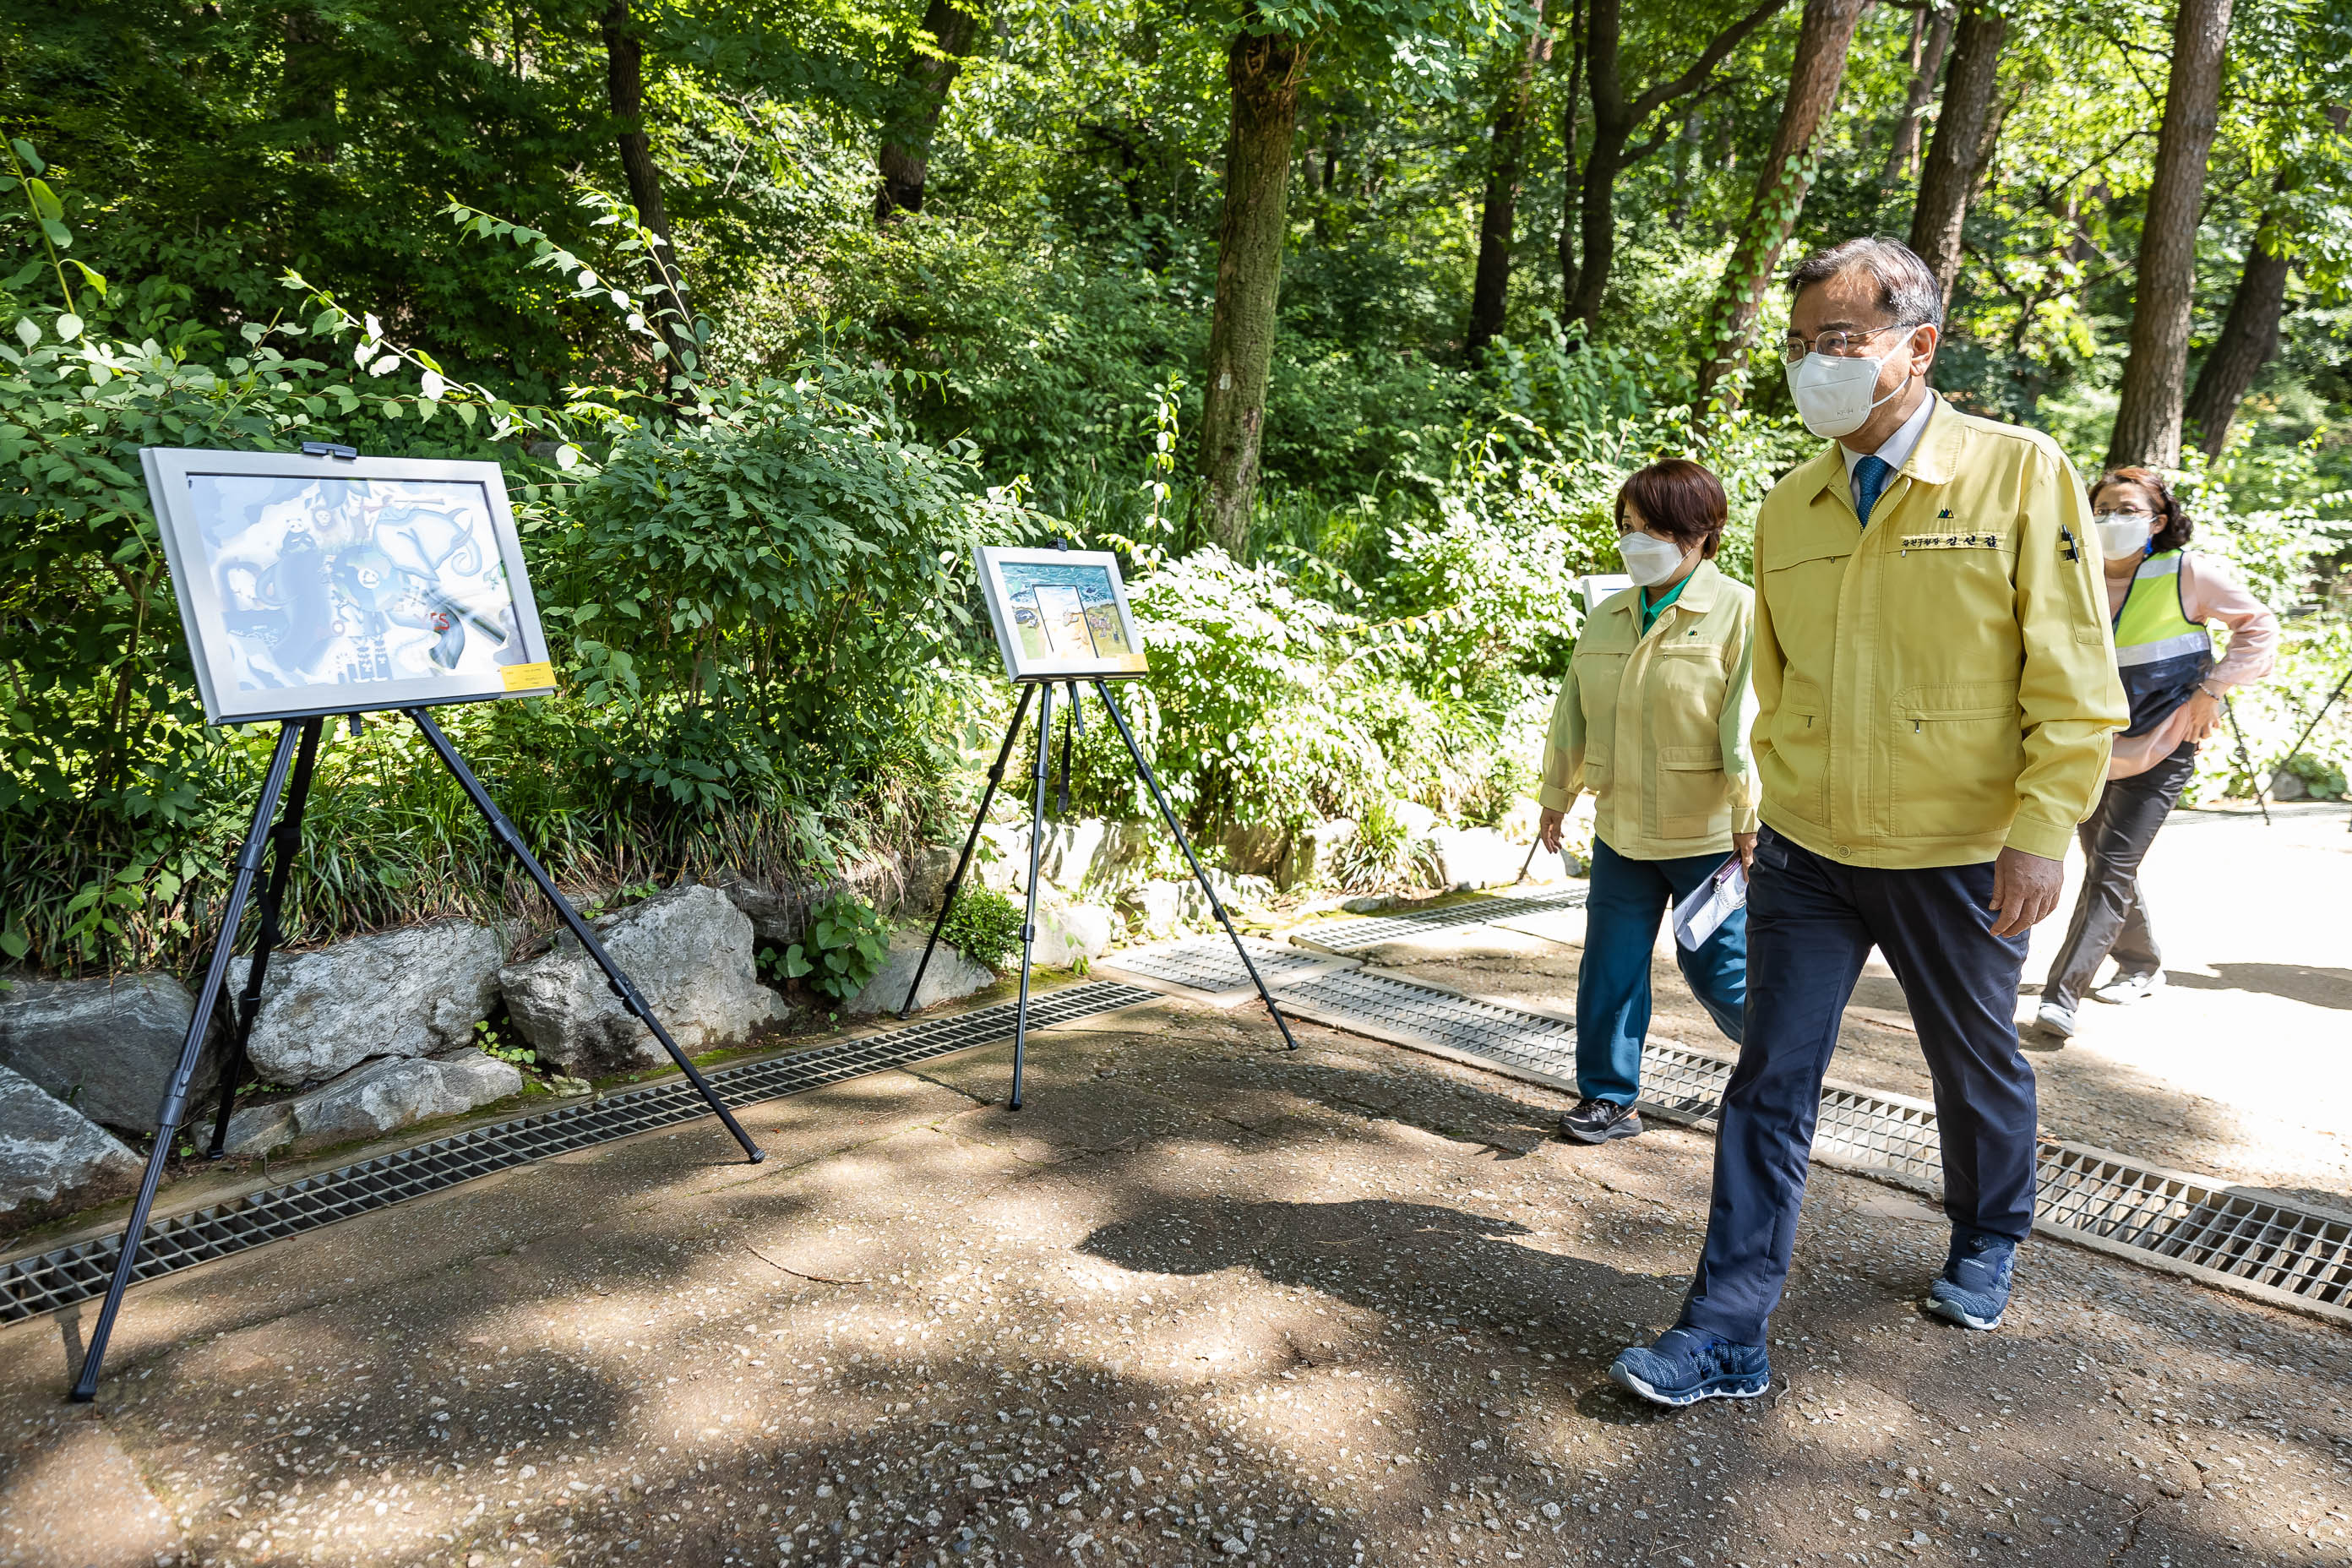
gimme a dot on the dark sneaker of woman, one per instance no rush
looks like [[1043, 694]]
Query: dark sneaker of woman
[[1599, 1121], [1687, 1366]]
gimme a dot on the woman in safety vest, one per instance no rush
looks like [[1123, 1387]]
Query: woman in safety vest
[[2161, 598], [1652, 718]]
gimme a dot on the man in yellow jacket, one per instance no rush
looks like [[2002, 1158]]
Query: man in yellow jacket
[[1935, 691]]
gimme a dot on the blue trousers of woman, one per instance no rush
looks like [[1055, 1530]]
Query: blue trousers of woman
[[1621, 912]]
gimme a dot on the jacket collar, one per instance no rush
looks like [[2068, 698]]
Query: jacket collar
[[1933, 461], [1697, 596]]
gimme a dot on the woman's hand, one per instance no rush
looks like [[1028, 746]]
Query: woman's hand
[[1744, 846], [1548, 828], [2204, 715]]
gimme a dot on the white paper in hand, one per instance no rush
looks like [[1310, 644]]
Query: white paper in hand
[[1711, 904]]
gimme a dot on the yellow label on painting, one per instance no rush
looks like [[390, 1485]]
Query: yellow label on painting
[[528, 676]]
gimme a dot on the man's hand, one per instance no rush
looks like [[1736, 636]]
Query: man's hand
[[2204, 715], [2025, 889], [1548, 828], [1744, 846]]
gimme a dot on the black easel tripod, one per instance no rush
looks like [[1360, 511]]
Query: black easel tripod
[[298, 747], [1036, 836]]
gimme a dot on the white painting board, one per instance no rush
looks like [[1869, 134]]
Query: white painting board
[[311, 586], [1060, 615]]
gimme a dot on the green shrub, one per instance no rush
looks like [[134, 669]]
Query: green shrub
[[843, 947], [984, 925]]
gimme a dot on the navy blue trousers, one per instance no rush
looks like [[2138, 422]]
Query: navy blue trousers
[[1812, 924]]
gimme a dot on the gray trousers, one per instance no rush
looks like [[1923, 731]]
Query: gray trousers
[[2111, 914]]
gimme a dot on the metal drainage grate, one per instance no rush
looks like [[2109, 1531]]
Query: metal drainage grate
[[1527, 1042], [33, 1285], [2302, 1253], [1354, 936], [1209, 963]]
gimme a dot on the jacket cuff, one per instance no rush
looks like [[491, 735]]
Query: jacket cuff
[[1553, 798], [2036, 837], [1743, 817]]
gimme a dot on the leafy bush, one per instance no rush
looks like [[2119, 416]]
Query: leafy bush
[[984, 925], [843, 947]]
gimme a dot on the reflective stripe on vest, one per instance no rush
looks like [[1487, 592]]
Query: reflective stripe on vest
[[2161, 653]]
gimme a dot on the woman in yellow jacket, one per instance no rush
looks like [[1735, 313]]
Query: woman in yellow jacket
[[1652, 718]]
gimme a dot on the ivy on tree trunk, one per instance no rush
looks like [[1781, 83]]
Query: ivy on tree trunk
[[1822, 39], [1498, 213], [1265, 71], [1965, 134], [625, 87], [2156, 372], [952, 29]]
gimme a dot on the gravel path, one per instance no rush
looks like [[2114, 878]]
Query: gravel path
[[1204, 1300]]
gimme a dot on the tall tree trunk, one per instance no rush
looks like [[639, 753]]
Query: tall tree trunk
[[1928, 53], [1498, 214], [2248, 340], [1572, 191], [1822, 39], [1962, 145], [1615, 120], [953, 26], [1265, 73], [2156, 371], [625, 87], [308, 77]]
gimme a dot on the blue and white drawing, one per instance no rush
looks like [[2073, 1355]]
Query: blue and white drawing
[[337, 581]]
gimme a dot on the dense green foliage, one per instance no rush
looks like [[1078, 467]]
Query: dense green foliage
[[750, 498]]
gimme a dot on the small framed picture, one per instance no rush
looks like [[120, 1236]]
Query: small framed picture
[[312, 586], [1060, 615]]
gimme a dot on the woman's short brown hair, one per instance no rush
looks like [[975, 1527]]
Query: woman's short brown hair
[[2173, 525], [1680, 499]]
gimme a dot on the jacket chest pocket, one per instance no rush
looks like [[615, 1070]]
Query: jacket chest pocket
[[1689, 796], [1959, 580]]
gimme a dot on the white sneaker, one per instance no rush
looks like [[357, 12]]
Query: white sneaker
[[2126, 988], [2056, 1020]]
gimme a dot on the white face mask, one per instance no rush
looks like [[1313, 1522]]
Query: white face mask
[[1650, 561], [2124, 534], [1833, 391]]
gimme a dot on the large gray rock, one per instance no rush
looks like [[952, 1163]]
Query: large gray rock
[[1470, 858], [106, 1048], [1256, 851], [52, 1159], [408, 993], [688, 951], [1307, 859], [908, 884], [1068, 933], [950, 975], [1156, 907], [382, 1097]]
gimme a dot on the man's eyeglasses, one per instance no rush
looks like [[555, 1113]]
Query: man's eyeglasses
[[1837, 345]]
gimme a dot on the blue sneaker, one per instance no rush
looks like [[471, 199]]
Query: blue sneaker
[[1974, 1289], [1687, 1366]]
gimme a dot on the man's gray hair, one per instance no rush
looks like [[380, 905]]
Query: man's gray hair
[[1907, 290]]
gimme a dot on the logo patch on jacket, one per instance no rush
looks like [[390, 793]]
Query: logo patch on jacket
[[1951, 542]]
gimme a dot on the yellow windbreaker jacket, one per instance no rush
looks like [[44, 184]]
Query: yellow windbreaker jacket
[[1656, 726], [1942, 683]]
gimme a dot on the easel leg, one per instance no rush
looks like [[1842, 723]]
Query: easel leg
[[1029, 920], [1169, 814], [970, 842], [176, 1094], [285, 840], [504, 832]]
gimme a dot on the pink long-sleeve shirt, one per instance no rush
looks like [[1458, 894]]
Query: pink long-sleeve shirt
[[2208, 593]]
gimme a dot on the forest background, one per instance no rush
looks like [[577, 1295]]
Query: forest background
[[1341, 319]]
